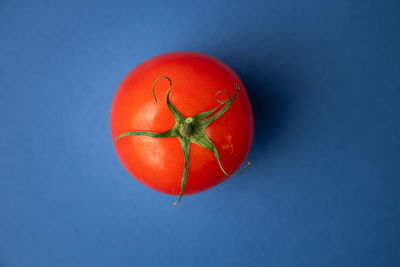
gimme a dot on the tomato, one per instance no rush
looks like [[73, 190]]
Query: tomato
[[181, 122]]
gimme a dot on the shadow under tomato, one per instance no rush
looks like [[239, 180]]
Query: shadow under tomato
[[271, 70], [270, 79], [271, 110]]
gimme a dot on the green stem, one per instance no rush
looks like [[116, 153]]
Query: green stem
[[187, 127]]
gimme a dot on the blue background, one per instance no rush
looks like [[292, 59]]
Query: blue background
[[323, 189]]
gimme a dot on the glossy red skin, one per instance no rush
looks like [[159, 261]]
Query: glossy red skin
[[158, 162]]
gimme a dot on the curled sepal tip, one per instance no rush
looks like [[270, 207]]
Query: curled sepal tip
[[154, 83]]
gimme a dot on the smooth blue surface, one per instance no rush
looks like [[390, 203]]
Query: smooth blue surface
[[323, 189]]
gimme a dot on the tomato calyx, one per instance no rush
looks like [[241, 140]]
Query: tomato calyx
[[190, 130]]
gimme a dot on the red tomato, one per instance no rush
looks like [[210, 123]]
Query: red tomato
[[188, 84]]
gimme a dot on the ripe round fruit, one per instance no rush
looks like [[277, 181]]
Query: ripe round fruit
[[161, 134]]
